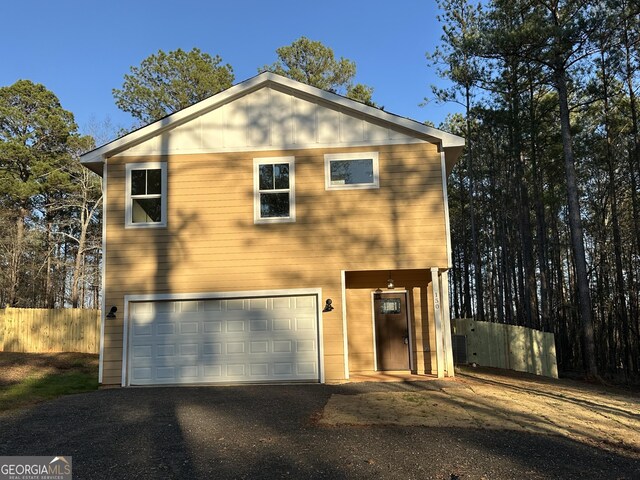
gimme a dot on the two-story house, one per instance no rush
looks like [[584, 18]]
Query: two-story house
[[275, 232]]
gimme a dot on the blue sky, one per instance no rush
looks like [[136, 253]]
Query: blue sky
[[81, 50]]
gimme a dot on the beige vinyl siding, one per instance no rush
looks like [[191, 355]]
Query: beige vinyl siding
[[211, 243], [360, 330]]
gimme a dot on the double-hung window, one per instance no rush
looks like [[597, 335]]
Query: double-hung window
[[274, 194], [345, 171], [146, 195]]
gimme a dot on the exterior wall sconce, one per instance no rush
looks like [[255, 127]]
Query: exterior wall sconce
[[327, 306], [390, 284], [112, 312]]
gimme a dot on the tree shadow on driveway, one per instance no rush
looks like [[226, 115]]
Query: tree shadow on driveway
[[269, 431]]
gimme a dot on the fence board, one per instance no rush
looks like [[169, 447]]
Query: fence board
[[39, 330], [508, 346]]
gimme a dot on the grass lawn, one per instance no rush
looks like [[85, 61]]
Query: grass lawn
[[30, 378]]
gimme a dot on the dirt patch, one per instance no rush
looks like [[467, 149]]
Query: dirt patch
[[15, 367], [600, 416]]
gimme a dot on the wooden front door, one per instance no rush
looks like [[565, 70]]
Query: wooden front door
[[392, 331]]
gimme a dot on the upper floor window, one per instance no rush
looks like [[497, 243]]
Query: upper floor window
[[273, 181], [351, 170], [146, 195]]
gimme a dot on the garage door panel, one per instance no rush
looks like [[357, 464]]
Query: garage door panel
[[283, 369], [212, 348], [236, 370], [211, 326], [189, 306], [143, 351], [212, 372], [285, 324], [166, 350], [282, 303], [165, 372], [305, 302], [259, 369], [306, 368], [282, 346], [163, 307], [143, 374], [230, 305], [235, 326], [258, 346], [212, 305], [189, 371], [140, 330], [188, 349], [189, 327], [141, 308], [306, 346], [208, 341], [259, 325], [235, 348], [305, 323], [258, 304], [166, 328]]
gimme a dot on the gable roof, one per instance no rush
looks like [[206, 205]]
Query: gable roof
[[450, 144]]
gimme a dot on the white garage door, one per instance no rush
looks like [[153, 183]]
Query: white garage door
[[234, 340]]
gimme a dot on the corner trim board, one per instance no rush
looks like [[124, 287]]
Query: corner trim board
[[103, 276], [437, 314], [446, 320]]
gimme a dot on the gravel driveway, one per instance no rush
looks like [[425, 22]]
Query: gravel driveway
[[276, 432]]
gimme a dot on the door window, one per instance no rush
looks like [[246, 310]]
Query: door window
[[390, 306]]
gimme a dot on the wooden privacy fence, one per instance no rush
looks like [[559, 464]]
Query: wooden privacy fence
[[505, 346], [40, 330]]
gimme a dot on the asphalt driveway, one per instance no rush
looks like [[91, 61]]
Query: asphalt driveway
[[275, 432]]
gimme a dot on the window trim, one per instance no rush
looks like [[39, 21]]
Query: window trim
[[256, 189], [163, 194], [331, 157]]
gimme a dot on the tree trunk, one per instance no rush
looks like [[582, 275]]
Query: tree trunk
[[634, 169], [16, 258], [477, 268], [468, 311], [620, 306], [77, 266], [528, 282], [541, 228], [575, 225], [48, 288]]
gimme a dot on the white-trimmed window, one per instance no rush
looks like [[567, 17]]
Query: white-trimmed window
[[273, 190], [146, 195], [351, 170]]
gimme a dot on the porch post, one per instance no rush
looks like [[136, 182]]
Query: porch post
[[345, 338], [435, 282], [446, 323]]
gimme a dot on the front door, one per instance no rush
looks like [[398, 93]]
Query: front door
[[392, 331]]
